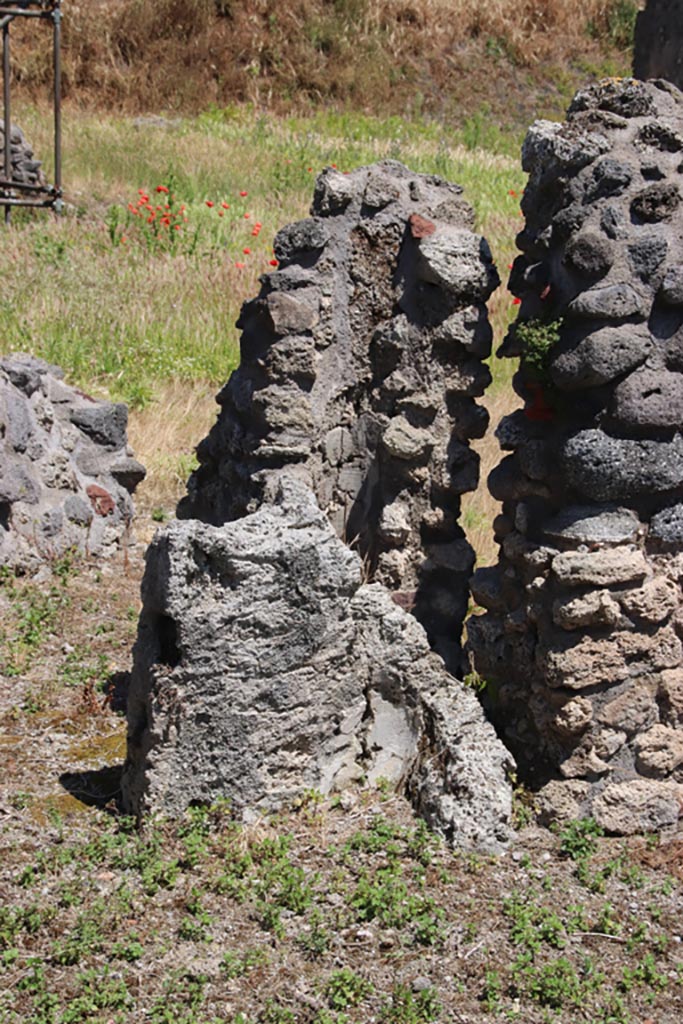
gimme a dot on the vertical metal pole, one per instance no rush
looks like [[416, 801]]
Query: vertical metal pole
[[57, 19], [7, 112]]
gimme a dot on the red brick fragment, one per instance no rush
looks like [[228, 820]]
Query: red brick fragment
[[420, 227], [102, 501]]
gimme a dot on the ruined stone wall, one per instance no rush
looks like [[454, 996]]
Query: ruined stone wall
[[658, 43], [66, 471], [581, 639], [361, 359], [271, 656], [25, 168]]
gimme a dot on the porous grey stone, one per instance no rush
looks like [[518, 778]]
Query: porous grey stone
[[600, 568], [458, 261], [609, 302], [649, 399], [606, 468], [589, 254], [671, 291], [264, 667], [597, 608], [666, 528], [640, 805], [655, 601], [105, 423], [589, 357], [656, 202], [592, 524]]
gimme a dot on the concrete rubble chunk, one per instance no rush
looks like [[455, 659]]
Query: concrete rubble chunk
[[584, 647], [264, 666], [66, 473]]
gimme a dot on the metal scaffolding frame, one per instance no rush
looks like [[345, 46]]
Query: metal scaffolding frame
[[16, 193]]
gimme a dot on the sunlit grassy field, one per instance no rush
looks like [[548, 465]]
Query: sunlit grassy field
[[143, 309]]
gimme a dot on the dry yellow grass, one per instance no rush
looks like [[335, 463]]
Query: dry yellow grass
[[164, 437], [444, 57]]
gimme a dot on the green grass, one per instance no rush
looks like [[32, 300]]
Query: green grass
[[128, 316]]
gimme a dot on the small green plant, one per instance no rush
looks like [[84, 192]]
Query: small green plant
[[79, 670], [645, 973], [344, 988], [315, 940], [85, 938], [407, 1007], [578, 839], [130, 949], [555, 984], [537, 339], [475, 682], [236, 965], [276, 1013], [492, 991]]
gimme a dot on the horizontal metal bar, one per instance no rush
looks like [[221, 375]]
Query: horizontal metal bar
[[24, 14], [9, 201], [24, 186]]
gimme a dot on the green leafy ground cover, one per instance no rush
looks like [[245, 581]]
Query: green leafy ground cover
[[343, 910]]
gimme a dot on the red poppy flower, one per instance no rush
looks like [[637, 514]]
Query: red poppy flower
[[240, 266], [516, 302], [226, 206], [162, 188], [209, 203], [274, 263], [247, 252], [243, 193]]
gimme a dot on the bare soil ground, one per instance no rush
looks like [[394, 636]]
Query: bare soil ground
[[339, 910]]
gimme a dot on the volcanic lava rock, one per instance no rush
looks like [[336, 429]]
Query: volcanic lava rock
[[582, 630], [361, 361], [265, 667]]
